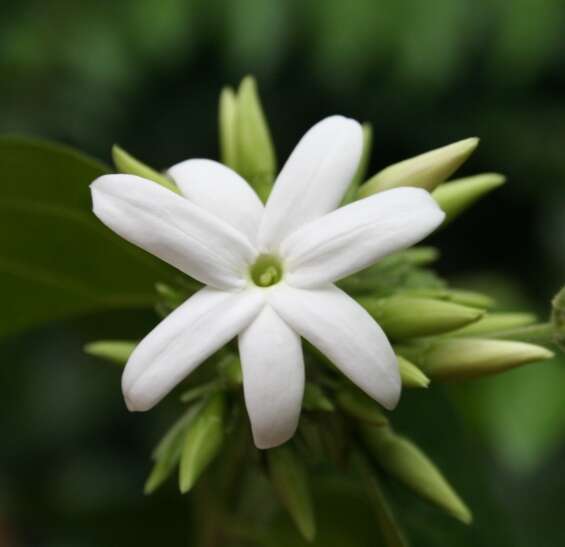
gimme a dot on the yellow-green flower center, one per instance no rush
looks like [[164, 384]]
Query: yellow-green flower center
[[266, 271]]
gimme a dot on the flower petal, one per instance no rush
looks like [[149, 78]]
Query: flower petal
[[220, 191], [173, 229], [184, 339], [273, 378], [346, 334], [356, 236], [314, 178]]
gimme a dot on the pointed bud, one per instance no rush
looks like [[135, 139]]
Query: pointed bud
[[403, 460], [424, 171], [411, 375], [255, 152], [126, 163], [390, 529], [201, 442], [458, 296], [117, 351], [460, 358], [227, 127], [230, 368], [167, 452], [315, 399], [497, 322], [405, 317], [290, 481], [361, 173], [456, 196], [357, 405], [558, 318]]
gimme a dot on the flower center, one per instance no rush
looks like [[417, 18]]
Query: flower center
[[266, 271]]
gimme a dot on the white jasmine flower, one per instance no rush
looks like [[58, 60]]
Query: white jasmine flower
[[269, 272]]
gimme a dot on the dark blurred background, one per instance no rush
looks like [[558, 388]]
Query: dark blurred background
[[147, 74]]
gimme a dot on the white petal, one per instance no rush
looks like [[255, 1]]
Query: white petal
[[184, 339], [346, 334], [273, 378], [357, 235], [173, 229], [314, 178], [220, 191]]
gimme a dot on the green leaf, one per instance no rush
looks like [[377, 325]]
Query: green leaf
[[201, 442], [56, 259], [290, 482]]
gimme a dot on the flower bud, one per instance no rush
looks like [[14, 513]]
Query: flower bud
[[361, 173], [357, 405], [411, 375], [117, 351], [456, 196], [315, 400], [404, 317], [403, 460], [227, 127], [497, 322], [460, 358], [254, 147], [458, 296], [289, 479], [558, 318], [126, 163], [424, 171], [201, 442]]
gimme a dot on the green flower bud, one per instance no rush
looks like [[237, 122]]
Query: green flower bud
[[289, 478], [117, 351], [227, 122], [361, 173], [424, 171], [315, 400], [458, 296], [168, 451], [202, 442], [404, 317], [459, 358], [126, 163], [357, 405], [456, 196], [255, 153], [558, 318], [411, 375], [403, 460], [496, 322]]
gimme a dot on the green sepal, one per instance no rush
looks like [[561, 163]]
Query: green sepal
[[255, 153], [202, 442], [406, 317], [403, 460], [126, 163], [411, 375], [315, 400], [462, 358], [426, 170], [167, 453], [289, 479], [356, 404], [361, 173], [456, 196], [227, 120], [117, 351]]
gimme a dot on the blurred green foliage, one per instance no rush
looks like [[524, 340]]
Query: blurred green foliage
[[147, 74]]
